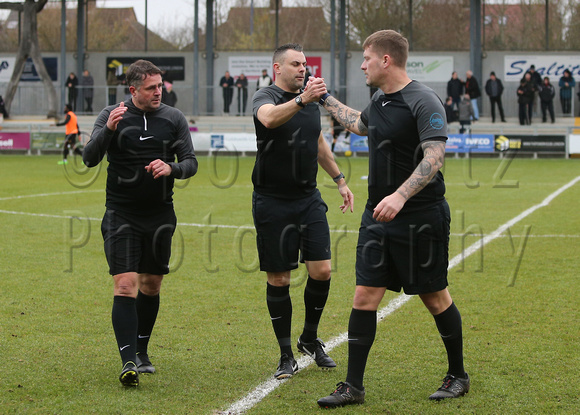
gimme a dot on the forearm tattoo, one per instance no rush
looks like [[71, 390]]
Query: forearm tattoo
[[433, 157], [345, 115]]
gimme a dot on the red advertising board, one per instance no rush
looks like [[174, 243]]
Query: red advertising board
[[14, 141], [314, 64]]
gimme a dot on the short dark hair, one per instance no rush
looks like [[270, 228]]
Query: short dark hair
[[282, 50], [139, 70], [392, 43]]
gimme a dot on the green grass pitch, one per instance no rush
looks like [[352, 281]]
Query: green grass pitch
[[213, 342]]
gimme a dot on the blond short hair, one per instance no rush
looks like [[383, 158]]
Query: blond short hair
[[389, 42]]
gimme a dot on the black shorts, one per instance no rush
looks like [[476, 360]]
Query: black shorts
[[411, 251], [286, 226], [70, 140], [135, 243]]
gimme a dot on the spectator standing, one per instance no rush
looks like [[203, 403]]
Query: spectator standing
[[112, 83], [547, 93], [307, 76], [450, 112], [242, 85], [567, 84], [168, 96], [494, 88], [264, 80], [472, 89], [227, 84], [71, 83], [466, 113], [536, 79], [455, 89], [525, 97], [3, 108], [87, 83]]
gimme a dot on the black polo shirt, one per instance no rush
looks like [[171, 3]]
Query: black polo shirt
[[397, 125], [287, 159]]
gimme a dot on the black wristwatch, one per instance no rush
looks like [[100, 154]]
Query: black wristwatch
[[337, 178], [298, 100]]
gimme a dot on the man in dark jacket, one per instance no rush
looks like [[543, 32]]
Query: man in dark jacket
[[494, 89], [455, 89], [472, 89], [525, 97], [536, 80]]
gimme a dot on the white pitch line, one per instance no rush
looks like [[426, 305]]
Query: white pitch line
[[265, 388], [49, 194], [202, 225]]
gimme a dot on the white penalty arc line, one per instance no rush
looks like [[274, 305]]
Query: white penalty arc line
[[265, 388]]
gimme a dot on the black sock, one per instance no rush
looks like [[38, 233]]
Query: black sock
[[315, 296], [280, 308], [147, 308], [124, 317], [362, 328], [449, 326]]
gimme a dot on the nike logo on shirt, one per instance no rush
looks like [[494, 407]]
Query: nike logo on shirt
[[385, 103], [145, 138]]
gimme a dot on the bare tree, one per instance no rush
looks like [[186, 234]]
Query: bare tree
[[29, 48]]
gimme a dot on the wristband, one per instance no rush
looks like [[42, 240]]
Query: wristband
[[323, 99], [337, 178]]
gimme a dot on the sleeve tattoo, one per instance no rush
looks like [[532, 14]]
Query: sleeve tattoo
[[347, 116], [433, 158]]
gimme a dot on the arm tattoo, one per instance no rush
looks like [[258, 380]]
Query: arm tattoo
[[362, 127], [433, 157], [345, 115]]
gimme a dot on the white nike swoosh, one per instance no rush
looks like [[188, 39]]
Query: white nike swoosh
[[352, 340], [385, 103], [124, 347], [319, 308], [145, 138], [275, 318], [142, 337]]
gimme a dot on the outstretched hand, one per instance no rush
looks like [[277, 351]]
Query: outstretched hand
[[116, 116]]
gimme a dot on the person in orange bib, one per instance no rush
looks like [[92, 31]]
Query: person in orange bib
[[72, 130]]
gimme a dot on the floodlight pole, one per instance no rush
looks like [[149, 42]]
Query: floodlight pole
[[209, 55], [80, 39], [196, 57], [475, 57], [63, 53], [332, 45]]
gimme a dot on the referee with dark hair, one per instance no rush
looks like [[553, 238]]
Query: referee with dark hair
[[142, 138], [289, 213]]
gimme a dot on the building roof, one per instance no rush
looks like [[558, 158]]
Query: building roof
[[129, 34]]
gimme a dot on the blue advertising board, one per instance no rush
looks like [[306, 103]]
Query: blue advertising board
[[470, 143], [358, 143]]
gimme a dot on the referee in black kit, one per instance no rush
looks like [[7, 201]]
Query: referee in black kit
[[288, 210], [404, 233], [141, 138]]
